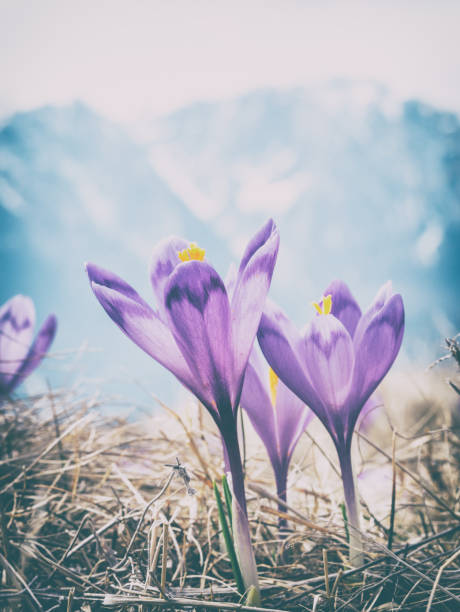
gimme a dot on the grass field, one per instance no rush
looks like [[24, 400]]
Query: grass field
[[94, 518]]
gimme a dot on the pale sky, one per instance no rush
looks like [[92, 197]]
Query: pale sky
[[132, 59]]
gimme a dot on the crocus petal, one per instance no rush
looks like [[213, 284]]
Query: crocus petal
[[281, 343], [17, 320], [256, 401], [198, 311], [165, 258], [376, 351], [292, 417], [260, 365], [250, 294], [344, 306], [37, 351], [329, 357], [230, 280], [258, 240], [280, 426], [105, 278], [142, 325], [383, 295]]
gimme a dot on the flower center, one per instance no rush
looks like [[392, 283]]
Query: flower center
[[193, 252], [274, 380], [324, 306]]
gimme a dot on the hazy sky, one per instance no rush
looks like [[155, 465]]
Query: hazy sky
[[130, 59]]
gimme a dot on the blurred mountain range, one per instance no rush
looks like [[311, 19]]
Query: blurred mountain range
[[363, 188]]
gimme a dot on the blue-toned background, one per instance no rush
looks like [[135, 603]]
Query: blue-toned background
[[354, 150]]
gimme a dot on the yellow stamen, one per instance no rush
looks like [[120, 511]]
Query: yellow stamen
[[318, 307], [327, 304], [324, 306], [193, 252], [274, 380]]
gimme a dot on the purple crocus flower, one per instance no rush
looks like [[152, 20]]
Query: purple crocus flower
[[202, 336], [334, 366], [20, 354], [278, 416]]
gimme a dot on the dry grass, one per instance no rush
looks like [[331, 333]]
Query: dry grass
[[92, 518]]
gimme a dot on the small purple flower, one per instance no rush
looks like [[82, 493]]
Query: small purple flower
[[334, 366], [278, 416], [202, 335], [20, 354]]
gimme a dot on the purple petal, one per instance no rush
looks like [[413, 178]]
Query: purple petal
[[230, 280], [142, 325], [105, 278], [165, 258], [376, 350], [38, 350], [257, 241], [344, 306], [383, 295], [255, 400], [250, 294], [281, 343], [17, 320], [329, 357], [280, 426], [198, 311], [293, 417]]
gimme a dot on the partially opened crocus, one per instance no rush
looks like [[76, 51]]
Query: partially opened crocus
[[20, 353], [278, 416], [202, 336], [334, 365]]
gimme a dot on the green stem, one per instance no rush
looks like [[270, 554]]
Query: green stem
[[228, 496], [228, 541]]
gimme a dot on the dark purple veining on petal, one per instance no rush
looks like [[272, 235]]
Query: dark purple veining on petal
[[199, 317], [17, 324], [197, 290]]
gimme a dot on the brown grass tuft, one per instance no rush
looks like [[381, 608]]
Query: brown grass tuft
[[92, 518]]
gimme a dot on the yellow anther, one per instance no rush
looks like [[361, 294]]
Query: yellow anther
[[318, 307], [324, 306], [327, 304], [193, 252], [274, 380]]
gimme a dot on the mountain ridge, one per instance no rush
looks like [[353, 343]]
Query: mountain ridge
[[362, 188]]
